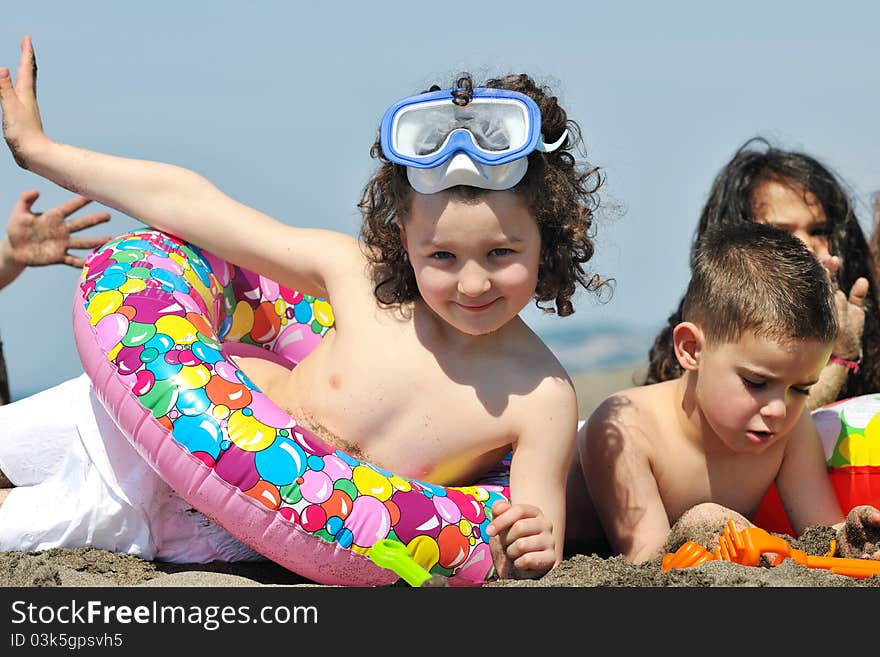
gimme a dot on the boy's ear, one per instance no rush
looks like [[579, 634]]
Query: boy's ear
[[688, 341]]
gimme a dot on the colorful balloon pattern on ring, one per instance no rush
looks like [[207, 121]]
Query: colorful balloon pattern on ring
[[849, 430], [156, 320]]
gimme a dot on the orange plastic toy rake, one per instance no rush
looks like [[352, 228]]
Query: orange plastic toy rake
[[745, 547]]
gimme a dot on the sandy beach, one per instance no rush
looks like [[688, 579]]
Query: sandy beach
[[593, 387], [86, 567]]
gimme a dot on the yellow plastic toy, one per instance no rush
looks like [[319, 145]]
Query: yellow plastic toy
[[395, 556]]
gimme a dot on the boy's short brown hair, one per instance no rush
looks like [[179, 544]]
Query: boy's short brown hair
[[560, 195], [755, 277]]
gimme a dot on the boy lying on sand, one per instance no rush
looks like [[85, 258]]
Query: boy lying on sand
[[758, 327]]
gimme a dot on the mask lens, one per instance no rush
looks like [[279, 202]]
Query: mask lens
[[494, 126], [423, 131]]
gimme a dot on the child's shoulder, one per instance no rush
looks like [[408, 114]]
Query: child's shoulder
[[529, 364], [636, 421], [639, 406], [535, 358]]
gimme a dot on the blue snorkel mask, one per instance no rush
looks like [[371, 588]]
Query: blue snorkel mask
[[484, 143]]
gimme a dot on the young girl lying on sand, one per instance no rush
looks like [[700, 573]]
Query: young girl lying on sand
[[477, 209]]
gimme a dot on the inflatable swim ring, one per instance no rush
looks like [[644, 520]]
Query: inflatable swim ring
[[155, 322], [850, 434]]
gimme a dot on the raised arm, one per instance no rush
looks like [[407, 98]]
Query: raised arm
[[170, 198], [847, 352]]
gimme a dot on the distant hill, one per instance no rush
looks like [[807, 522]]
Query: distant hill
[[601, 359], [596, 348]]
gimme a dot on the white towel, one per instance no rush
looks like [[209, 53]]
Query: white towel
[[80, 483]]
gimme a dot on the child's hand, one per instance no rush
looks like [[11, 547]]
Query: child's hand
[[22, 127], [859, 537], [521, 541], [850, 312], [44, 238]]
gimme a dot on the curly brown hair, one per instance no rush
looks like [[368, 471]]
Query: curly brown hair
[[560, 194]]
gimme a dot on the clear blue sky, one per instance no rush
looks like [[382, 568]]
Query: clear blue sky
[[278, 103]]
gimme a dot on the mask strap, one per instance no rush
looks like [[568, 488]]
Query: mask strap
[[547, 148]]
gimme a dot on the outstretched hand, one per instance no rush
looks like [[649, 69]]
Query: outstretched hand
[[850, 312], [859, 537], [22, 126], [36, 239], [521, 541]]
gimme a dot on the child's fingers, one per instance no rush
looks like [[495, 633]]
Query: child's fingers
[[507, 515], [536, 562], [533, 551], [6, 89], [500, 507], [528, 547], [26, 201], [27, 68], [74, 261], [831, 264], [72, 205], [528, 535], [87, 242], [87, 221], [858, 292]]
